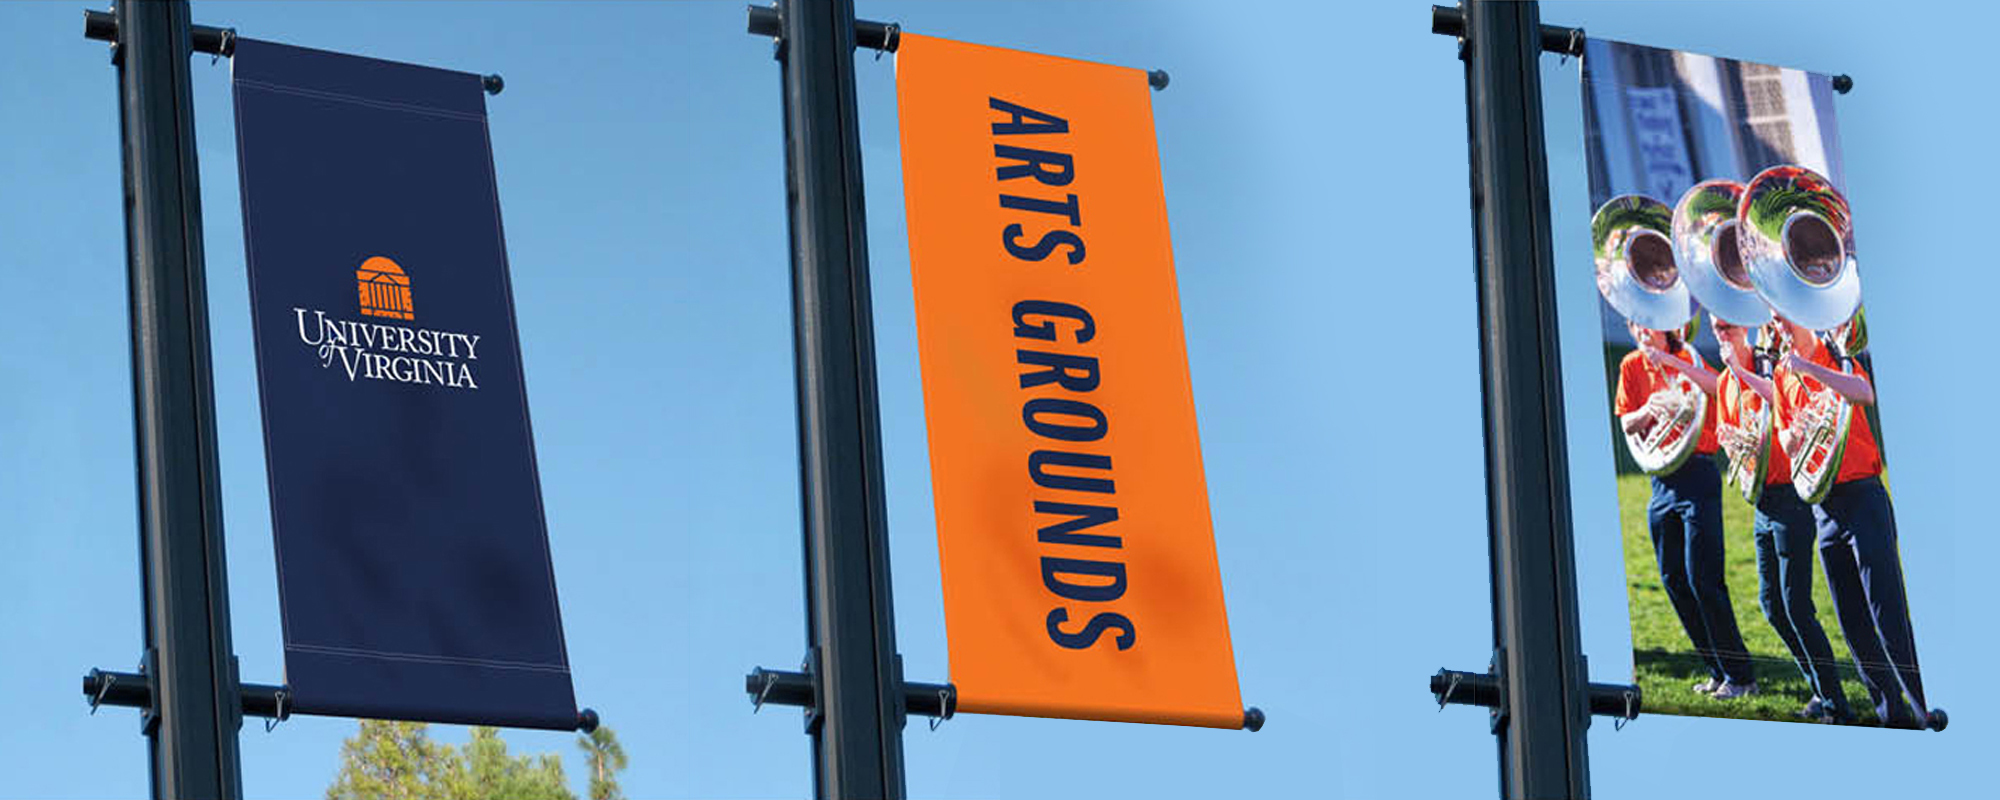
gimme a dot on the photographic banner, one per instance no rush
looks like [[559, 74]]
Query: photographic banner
[[1759, 537], [413, 559], [1079, 565]]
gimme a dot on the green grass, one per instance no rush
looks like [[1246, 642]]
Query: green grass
[[1664, 660]]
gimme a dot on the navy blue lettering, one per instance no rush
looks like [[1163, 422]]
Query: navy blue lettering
[[1032, 411], [1085, 331], [1092, 630], [1068, 209], [1044, 123], [1044, 246], [1081, 516], [1040, 460], [1035, 163], [1075, 373], [1053, 568]]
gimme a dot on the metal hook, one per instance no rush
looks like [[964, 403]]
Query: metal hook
[[224, 45], [1620, 723], [104, 681], [1445, 698], [770, 680], [1574, 34], [944, 698], [281, 716], [895, 32]]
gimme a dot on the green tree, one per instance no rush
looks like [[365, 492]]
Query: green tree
[[399, 761], [606, 757], [392, 761]]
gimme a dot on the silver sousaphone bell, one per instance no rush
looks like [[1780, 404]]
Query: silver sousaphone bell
[[1798, 242], [1707, 247], [1635, 262]]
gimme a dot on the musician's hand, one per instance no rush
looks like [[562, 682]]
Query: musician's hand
[[1732, 440], [1659, 404], [1794, 363], [1744, 443], [1790, 439], [1637, 424]]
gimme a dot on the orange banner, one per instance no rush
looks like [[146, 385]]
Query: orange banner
[[1080, 577]]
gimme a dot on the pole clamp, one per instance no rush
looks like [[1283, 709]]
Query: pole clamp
[[149, 711]]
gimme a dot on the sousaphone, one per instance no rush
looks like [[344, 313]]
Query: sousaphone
[[1824, 421], [1798, 241], [1798, 238], [1708, 250], [1635, 262], [1677, 410], [1637, 275], [1749, 421]]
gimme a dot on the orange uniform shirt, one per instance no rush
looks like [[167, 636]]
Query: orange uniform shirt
[[1639, 378], [1862, 459], [1732, 392]]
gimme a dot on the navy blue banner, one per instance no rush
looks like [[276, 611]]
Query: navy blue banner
[[413, 556]]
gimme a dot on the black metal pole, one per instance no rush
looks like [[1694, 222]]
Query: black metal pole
[[1545, 709], [857, 728], [191, 727]]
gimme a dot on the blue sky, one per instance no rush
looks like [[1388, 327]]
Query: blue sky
[[1314, 162]]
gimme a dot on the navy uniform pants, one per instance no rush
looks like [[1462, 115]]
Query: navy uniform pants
[[1685, 518], [1785, 532], [1864, 573]]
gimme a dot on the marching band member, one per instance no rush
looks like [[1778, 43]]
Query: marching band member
[[1685, 517], [1856, 532], [1784, 530]]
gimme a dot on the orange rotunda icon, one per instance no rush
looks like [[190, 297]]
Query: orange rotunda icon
[[385, 290]]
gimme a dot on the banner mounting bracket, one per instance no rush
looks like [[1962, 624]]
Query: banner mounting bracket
[[1453, 687], [217, 42], [135, 690], [776, 687], [103, 26], [881, 37], [1566, 42]]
